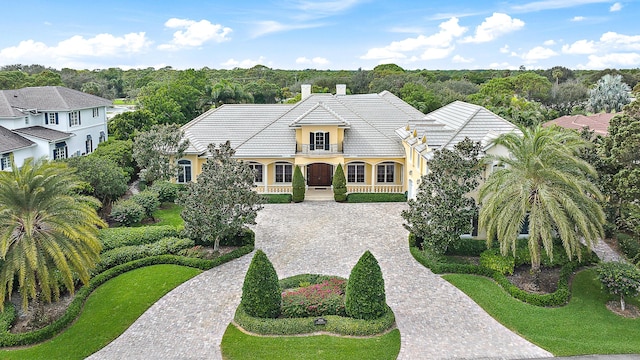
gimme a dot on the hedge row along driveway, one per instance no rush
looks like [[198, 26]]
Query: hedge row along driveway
[[435, 319]]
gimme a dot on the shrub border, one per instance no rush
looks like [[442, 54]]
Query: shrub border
[[376, 197], [76, 305], [336, 325], [560, 297]]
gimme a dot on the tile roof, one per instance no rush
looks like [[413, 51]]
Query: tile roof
[[44, 133], [599, 123], [265, 130], [47, 98], [447, 126], [10, 141]]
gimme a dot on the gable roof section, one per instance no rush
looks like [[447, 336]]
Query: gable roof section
[[52, 98], [10, 141], [449, 125], [6, 110], [320, 114], [43, 133]]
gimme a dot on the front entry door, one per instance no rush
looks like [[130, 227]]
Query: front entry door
[[319, 174]]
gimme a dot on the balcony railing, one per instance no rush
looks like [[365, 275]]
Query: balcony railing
[[307, 149]]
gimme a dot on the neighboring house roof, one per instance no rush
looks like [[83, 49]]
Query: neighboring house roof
[[266, 130], [599, 123], [47, 98], [43, 133], [10, 141], [447, 126]]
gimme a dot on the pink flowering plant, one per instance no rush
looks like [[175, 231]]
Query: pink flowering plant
[[325, 298]]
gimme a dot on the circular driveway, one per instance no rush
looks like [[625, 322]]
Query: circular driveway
[[436, 320]]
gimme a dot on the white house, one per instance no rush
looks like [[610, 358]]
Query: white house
[[50, 121]]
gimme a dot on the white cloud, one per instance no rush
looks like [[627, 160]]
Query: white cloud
[[315, 61], [494, 26], [436, 46], [538, 53], [613, 60], [504, 49], [580, 47], [461, 60], [243, 64], [578, 18], [620, 41], [553, 4], [615, 7], [76, 51], [268, 27], [502, 65], [194, 33], [549, 42]]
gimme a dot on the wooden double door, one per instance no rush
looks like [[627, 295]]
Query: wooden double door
[[319, 174]]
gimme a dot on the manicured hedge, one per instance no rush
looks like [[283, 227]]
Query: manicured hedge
[[261, 295], [124, 254], [375, 197], [278, 198], [112, 238], [335, 324], [7, 317], [296, 280], [245, 237], [440, 265], [75, 307]]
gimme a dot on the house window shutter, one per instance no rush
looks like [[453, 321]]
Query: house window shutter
[[327, 145], [57, 119], [79, 121], [69, 119], [312, 140]]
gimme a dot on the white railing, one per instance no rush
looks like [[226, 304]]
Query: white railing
[[374, 188], [273, 189], [306, 149]]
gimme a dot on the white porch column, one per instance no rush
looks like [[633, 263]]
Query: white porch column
[[373, 178], [266, 178]]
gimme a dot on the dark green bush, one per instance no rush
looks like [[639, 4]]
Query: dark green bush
[[296, 280], [167, 191], [124, 254], [75, 307], [629, 245], [335, 324], [127, 212], [467, 247], [148, 200], [492, 259], [365, 296], [245, 237], [298, 185], [7, 317], [261, 295], [278, 198], [376, 197], [621, 279], [116, 237], [339, 183]]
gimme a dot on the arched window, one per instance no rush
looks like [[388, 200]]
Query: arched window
[[355, 172], [386, 172], [284, 172], [184, 171]]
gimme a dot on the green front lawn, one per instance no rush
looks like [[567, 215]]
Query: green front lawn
[[584, 326], [169, 214], [108, 312], [238, 345]]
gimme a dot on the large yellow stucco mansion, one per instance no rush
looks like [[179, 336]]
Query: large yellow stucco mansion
[[383, 143]]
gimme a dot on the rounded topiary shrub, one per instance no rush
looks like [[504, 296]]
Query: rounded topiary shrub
[[364, 295], [148, 200], [261, 295], [127, 212]]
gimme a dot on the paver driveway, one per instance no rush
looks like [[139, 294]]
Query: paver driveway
[[436, 320]]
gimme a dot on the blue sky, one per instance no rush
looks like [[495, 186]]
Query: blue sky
[[330, 34]]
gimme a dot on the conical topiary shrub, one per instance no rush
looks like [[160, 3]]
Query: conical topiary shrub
[[298, 185], [364, 296], [339, 185], [261, 292]]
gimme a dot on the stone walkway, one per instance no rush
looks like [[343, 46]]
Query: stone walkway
[[436, 320]]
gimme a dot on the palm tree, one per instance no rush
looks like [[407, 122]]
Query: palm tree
[[48, 233], [547, 182]]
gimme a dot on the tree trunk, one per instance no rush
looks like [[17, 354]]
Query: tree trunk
[[216, 243], [535, 267], [622, 303]]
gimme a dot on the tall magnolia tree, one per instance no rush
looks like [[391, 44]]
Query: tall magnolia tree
[[443, 209], [610, 94], [156, 149], [48, 232], [222, 201], [545, 180]]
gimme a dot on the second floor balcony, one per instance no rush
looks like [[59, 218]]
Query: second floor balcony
[[313, 149]]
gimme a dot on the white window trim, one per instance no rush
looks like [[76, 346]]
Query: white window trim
[[284, 173], [74, 118], [356, 173], [182, 169]]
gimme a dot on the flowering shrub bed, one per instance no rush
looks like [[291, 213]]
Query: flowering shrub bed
[[325, 298]]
